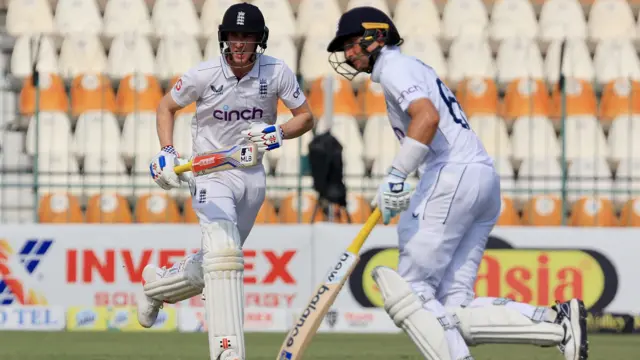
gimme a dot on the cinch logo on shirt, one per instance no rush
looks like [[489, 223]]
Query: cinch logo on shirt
[[230, 115], [408, 91]]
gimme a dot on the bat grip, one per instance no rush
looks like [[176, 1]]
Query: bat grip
[[357, 243], [182, 168]]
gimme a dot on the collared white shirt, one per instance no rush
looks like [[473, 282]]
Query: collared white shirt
[[226, 106], [404, 79]]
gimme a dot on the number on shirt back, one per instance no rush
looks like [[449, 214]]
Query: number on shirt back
[[452, 103]]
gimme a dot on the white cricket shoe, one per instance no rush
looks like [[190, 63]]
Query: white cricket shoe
[[148, 307], [229, 354], [572, 316]]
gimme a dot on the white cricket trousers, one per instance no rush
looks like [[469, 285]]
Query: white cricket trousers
[[443, 234], [233, 195]]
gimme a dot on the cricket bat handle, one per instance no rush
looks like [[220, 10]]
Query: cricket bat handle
[[364, 232], [182, 168]]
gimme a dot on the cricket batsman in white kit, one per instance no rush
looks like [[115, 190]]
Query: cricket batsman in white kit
[[236, 96], [444, 225]]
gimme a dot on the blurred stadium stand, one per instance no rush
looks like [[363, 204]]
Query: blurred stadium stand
[[76, 147]]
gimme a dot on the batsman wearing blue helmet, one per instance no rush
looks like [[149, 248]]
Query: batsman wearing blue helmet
[[445, 223]]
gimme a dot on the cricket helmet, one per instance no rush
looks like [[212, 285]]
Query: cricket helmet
[[372, 25], [243, 18]]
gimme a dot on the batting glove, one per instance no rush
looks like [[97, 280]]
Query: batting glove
[[162, 172], [266, 137], [394, 195]]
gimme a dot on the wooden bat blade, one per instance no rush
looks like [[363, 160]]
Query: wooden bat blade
[[233, 157]]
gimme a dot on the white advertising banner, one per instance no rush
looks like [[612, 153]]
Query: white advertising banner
[[45, 318], [255, 320], [91, 265]]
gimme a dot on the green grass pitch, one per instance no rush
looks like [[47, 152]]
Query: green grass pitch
[[177, 346]]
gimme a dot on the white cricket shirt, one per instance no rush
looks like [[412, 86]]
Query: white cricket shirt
[[404, 79], [226, 106]]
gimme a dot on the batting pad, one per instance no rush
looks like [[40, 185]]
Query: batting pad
[[405, 309], [182, 281], [496, 324], [223, 267]]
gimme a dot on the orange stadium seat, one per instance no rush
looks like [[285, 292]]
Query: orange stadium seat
[[189, 109], [157, 208], [189, 214], [110, 208], [344, 102], [138, 93], [289, 209], [282, 109], [358, 208], [593, 211], [619, 97], [630, 214], [91, 92], [542, 210], [580, 99], [370, 99], [508, 213], [267, 213], [478, 96], [53, 97], [59, 208], [526, 97]]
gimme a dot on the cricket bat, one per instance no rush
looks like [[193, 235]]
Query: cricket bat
[[232, 157], [305, 327]]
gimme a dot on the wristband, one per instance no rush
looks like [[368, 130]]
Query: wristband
[[169, 149], [411, 155]]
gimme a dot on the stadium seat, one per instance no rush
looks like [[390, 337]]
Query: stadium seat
[[589, 177], [619, 97], [580, 100], [417, 17], [513, 18], [278, 17], [288, 175], [630, 214], [357, 207], [616, 58], [576, 63], [311, 65], [371, 100], [533, 137], [138, 93], [610, 19], [526, 97], [54, 134], [624, 137], [212, 48], [464, 17], [344, 102], [470, 56], [345, 129], [157, 208], [492, 131], [518, 57], [92, 92], [96, 133], [105, 173], [542, 210], [561, 19], [177, 53], [139, 137], [379, 141], [82, 53], [29, 17], [13, 156], [211, 16], [584, 138], [378, 4], [593, 211], [23, 56], [59, 172], [507, 177], [8, 108], [189, 213], [182, 135], [316, 14], [108, 208], [127, 16], [427, 49], [538, 176], [284, 48], [267, 213], [175, 17], [478, 96], [59, 208], [508, 213], [129, 54], [73, 16], [16, 192], [289, 209], [52, 98], [627, 181]]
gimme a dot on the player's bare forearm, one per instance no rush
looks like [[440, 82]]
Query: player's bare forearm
[[165, 118], [424, 121], [301, 122]]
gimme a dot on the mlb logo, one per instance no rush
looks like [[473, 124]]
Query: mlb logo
[[246, 155]]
